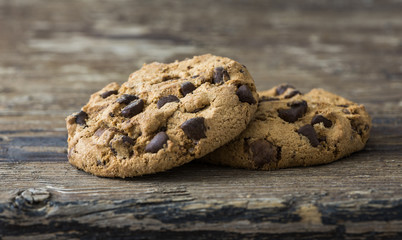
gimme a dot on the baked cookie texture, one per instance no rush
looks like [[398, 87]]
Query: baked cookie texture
[[290, 129], [165, 115]]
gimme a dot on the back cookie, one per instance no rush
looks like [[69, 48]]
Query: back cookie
[[290, 129]]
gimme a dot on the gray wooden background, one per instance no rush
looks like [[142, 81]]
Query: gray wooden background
[[54, 54]]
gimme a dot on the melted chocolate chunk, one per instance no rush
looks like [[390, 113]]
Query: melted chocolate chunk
[[263, 152], [296, 111], [194, 128], [309, 132], [108, 93], [292, 94], [186, 88], [157, 142], [321, 119], [282, 88], [126, 99], [81, 118], [245, 95], [220, 75], [163, 100], [133, 108], [128, 140]]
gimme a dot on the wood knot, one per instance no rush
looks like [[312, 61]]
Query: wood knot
[[32, 197]]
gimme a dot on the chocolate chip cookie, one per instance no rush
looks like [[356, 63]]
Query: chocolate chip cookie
[[290, 129], [165, 115]]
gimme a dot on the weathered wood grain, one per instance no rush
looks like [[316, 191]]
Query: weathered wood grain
[[54, 54]]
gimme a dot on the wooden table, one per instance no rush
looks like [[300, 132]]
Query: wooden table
[[54, 54]]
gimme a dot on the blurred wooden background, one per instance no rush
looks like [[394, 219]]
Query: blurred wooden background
[[54, 54]]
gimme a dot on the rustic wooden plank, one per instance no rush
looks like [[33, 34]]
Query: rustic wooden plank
[[55, 54], [204, 198]]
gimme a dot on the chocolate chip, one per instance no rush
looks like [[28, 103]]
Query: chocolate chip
[[126, 99], [81, 118], [133, 108], [220, 75], [163, 100], [292, 94], [309, 132], [186, 88], [157, 142], [321, 119], [297, 110], [245, 95], [282, 88], [263, 152], [267, 99], [194, 128], [128, 140], [108, 93]]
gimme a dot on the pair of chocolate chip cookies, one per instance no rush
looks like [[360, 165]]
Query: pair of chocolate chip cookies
[[207, 107]]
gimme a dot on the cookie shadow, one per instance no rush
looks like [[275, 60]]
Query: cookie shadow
[[194, 172]]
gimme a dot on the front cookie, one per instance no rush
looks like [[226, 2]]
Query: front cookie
[[165, 115], [290, 129]]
